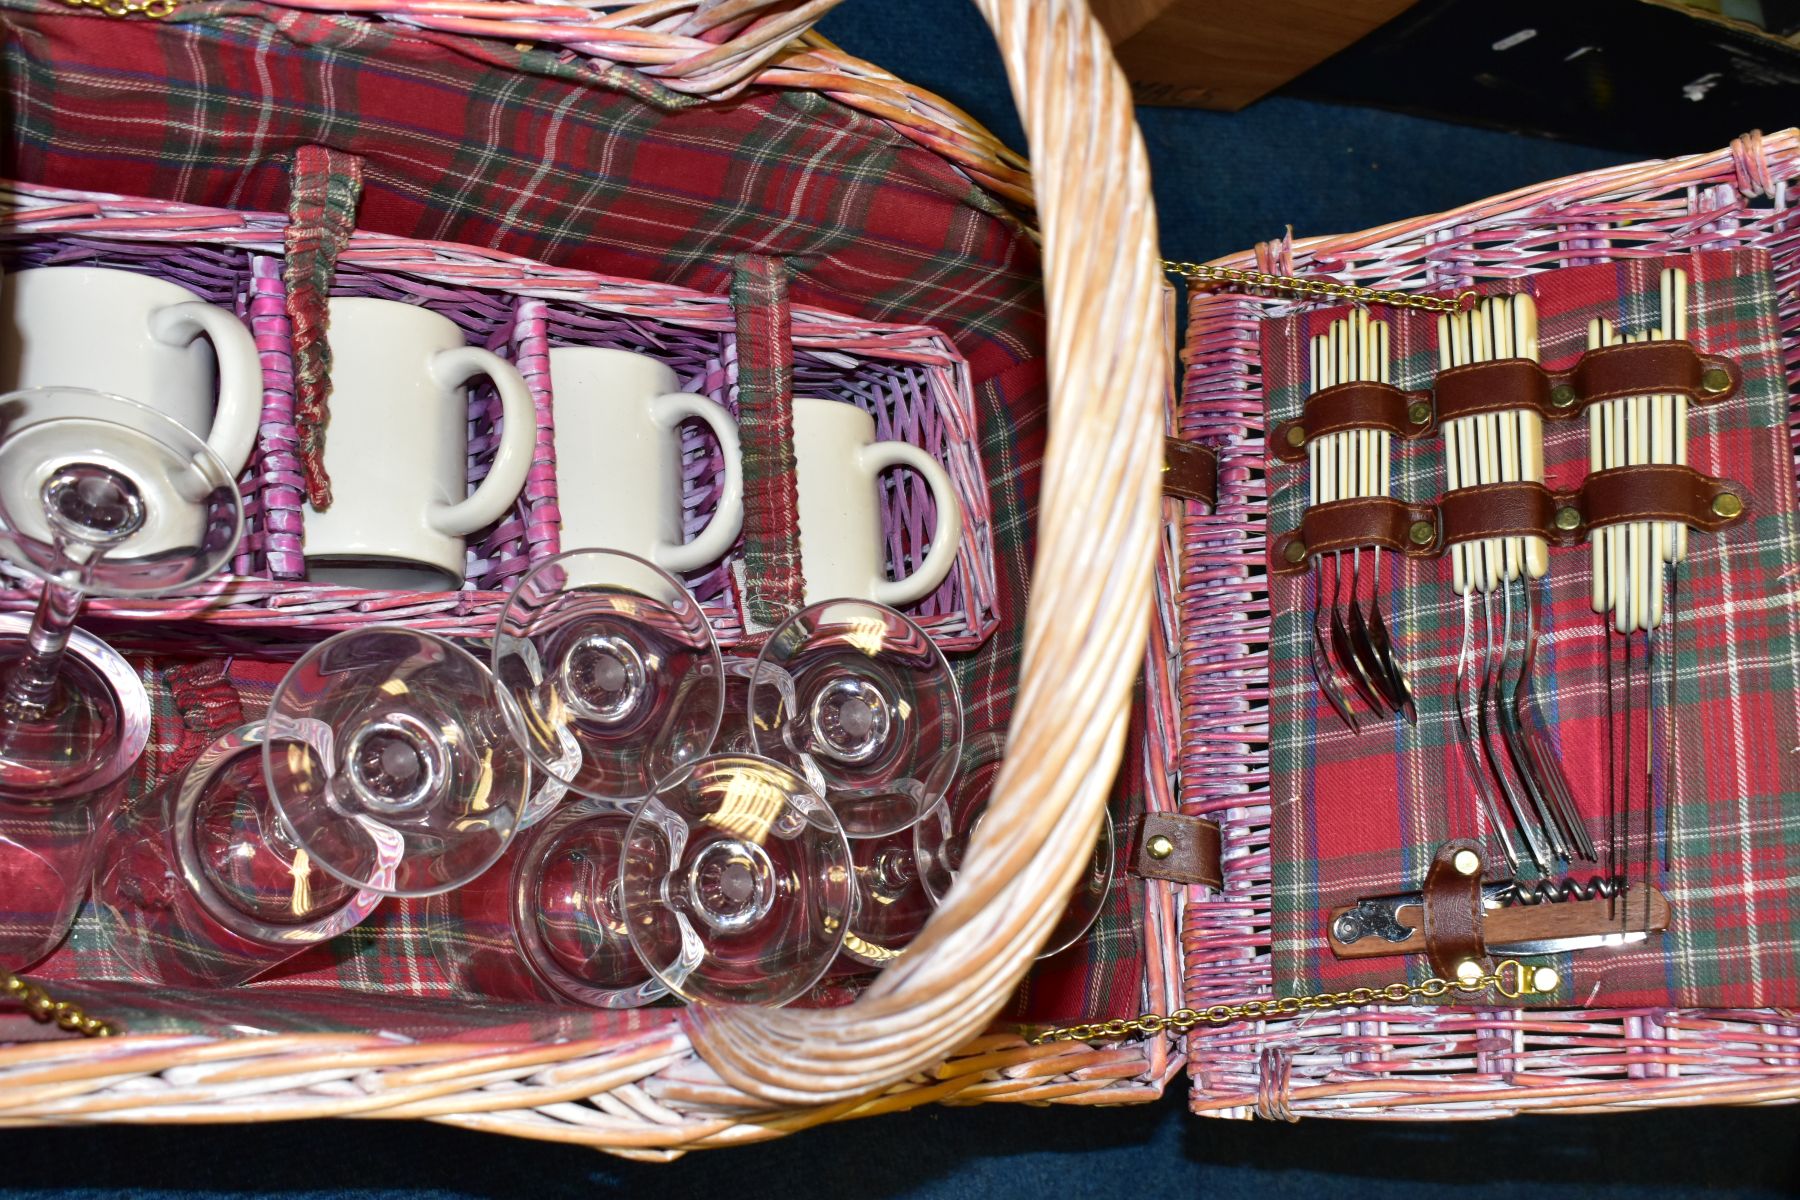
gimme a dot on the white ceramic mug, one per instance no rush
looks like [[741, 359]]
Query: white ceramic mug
[[618, 459], [139, 337], [842, 550], [397, 445]]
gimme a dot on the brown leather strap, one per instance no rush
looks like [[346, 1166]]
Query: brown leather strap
[[1453, 909], [1610, 497], [1662, 493], [1359, 405], [1654, 369], [1177, 848], [1507, 383], [1191, 471], [1497, 510], [1346, 524], [1609, 373]]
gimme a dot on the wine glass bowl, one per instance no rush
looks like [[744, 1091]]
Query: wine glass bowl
[[569, 912], [942, 839], [857, 696], [892, 904], [612, 674], [389, 763], [200, 884], [736, 882]]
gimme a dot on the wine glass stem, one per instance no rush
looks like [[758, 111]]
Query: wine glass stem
[[31, 683]]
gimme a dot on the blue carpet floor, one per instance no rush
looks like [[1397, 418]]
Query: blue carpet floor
[[1223, 183]]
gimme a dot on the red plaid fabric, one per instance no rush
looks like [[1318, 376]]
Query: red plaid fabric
[[524, 151], [321, 211], [773, 586], [1360, 815]]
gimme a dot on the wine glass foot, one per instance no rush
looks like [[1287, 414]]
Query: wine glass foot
[[87, 736]]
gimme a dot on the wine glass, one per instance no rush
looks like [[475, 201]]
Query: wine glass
[[942, 838], [98, 496], [735, 882], [381, 769], [858, 698], [611, 671], [553, 927]]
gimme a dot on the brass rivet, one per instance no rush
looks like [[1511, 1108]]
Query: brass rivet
[[1418, 412], [1545, 979], [1568, 517], [1159, 847], [1466, 862], [1727, 505], [1295, 552], [1715, 379], [1562, 395], [1468, 970], [1422, 533], [1296, 435]]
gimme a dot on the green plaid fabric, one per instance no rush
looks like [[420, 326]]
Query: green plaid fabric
[[1360, 815]]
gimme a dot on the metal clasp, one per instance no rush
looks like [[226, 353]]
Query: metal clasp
[[1514, 980]]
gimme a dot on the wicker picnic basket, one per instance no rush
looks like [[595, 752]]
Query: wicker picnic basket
[[1412, 1061], [659, 1081]]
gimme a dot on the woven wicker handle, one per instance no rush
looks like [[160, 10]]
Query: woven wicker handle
[[1086, 629]]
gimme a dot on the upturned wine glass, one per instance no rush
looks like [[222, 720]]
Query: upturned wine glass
[[735, 882], [857, 698], [611, 671], [942, 838], [382, 768]]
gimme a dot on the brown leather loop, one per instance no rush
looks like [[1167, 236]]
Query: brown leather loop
[[1652, 369], [1188, 848], [1346, 524], [1453, 911], [1662, 493], [1358, 405], [1608, 373], [1507, 383], [1190, 471], [1497, 510]]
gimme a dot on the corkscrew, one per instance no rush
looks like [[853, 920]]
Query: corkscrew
[[1560, 891], [1546, 916]]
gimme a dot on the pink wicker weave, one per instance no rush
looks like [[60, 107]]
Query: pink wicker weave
[[909, 377], [1409, 1061]]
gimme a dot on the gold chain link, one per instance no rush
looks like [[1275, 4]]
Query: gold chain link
[[1299, 285], [44, 1007], [156, 10], [1510, 978]]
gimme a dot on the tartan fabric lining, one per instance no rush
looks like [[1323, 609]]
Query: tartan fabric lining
[[469, 142], [1359, 816]]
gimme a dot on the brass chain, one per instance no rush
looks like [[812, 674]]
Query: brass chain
[[1300, 285], [156, 10], [44, 1007], [1510, 978]]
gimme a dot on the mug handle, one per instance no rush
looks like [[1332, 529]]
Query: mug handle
[[898, 593], [239, 413], [711, 543], [512, 459]]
